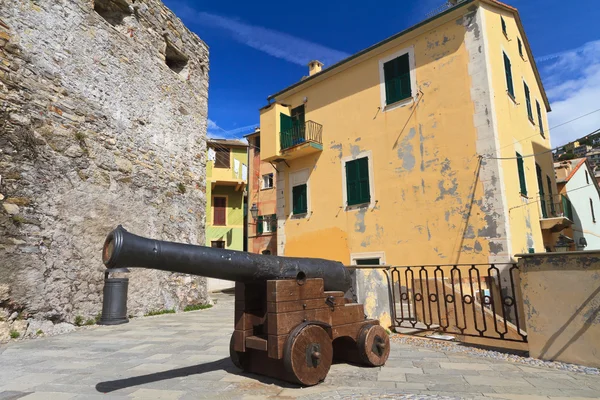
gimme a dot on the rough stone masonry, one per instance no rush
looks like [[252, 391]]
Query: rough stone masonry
[[103, 108]]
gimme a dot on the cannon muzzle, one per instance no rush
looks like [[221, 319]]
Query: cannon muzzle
[[126, 250]]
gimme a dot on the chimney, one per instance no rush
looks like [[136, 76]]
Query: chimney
[[314, 67]]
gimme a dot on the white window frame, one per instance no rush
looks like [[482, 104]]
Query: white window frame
[[413, 79], [363, 256], [266, 224], [297, 178], [344, 160], [263, 185]]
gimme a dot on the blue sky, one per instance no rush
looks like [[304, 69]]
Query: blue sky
[[258, 48]]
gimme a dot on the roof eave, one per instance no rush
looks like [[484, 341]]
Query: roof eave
[[326, 71]]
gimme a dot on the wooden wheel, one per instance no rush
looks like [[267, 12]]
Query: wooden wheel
[[238, 358], [373, 345], [308, 354]]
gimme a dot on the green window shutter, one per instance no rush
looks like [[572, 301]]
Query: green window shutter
[[503, 25], [357, 181], [299, 199], [352, 183], [508, 72], [273, 222], [259, 225], [285, 129], [528, 101], [539, 114], [520, 47], [521, 169], [397, 79], [550, 196], [363, 180]]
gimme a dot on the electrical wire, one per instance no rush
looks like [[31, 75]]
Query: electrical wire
[[528, 137]]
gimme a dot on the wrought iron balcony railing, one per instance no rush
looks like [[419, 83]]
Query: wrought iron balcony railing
[[556, 206], [310, 131]]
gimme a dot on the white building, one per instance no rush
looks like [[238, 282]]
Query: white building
[[575, 180]]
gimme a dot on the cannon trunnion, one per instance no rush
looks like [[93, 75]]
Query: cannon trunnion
[[291, 317]]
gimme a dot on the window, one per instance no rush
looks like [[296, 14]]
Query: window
[[113, 11], [538, 171], [357, 181], [175, 59], [587, 178], [267, 181], [257, 143], [222, 158], [367, 261], [550, 196], [219, 211], [219, 244], [266, 224], [520, 47], [299, 199], [503, 26], [528, 101], [521, 169], [509, 80], [539, 113], [592, 209], [397, 79]]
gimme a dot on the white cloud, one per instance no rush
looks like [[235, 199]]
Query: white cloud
[[572, 80], [214, 131], [272, 42]]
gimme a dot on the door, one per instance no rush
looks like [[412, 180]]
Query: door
[[219, 211], [298, 124]]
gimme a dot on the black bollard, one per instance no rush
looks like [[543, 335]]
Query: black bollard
[[114, 304]]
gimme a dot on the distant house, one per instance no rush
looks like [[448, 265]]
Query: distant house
[[581, 151], [576, 182], [262, 200], [226, 174]]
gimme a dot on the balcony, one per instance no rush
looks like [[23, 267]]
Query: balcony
[[556, 216], [301, 139]]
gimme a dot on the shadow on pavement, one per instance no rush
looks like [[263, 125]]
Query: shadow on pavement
[[111, 386], [222, 364]]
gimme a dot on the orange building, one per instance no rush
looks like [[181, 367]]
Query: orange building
[[262, 200]]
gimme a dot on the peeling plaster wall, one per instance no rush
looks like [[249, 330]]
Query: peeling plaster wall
[[429, 202], [561, 292], [516, 133], [438, 196]]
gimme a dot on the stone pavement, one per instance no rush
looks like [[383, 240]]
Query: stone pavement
[[186, 356]]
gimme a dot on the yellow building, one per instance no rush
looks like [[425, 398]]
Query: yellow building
[[417, 150], [227, 175]]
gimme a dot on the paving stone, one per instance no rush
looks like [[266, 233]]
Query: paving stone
[[457, 387], [487, 380], [49, 396], [186, 356], [552, 383], [156, 394], [509, 396], [465, 366], [433, 379], [12, 395]]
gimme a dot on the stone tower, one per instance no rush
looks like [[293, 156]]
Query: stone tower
[[103, 111]]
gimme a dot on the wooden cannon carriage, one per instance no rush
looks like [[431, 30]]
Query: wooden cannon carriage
[[291, 317]]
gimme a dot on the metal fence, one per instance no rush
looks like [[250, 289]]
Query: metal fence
[[481, 300], [309, 131]]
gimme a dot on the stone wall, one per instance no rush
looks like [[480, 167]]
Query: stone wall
[[103, 109]]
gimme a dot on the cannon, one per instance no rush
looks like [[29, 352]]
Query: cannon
[[292, 316]]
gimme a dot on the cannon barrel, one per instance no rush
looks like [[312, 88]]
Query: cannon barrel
[[123, 249]]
